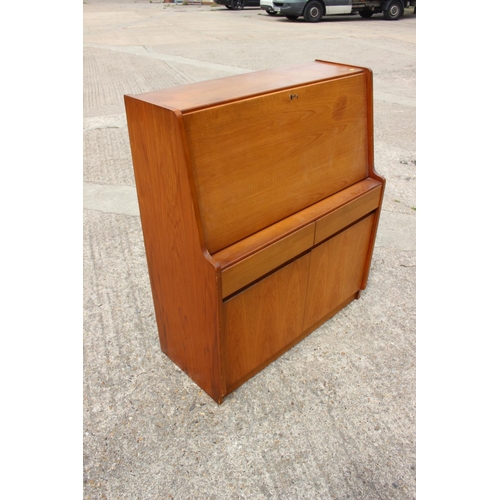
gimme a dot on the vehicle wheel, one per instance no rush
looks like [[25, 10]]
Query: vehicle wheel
[[271, 12], [394, 11], [313, 12], [238, 4], [366, 13], [292, 18], [229, 7]]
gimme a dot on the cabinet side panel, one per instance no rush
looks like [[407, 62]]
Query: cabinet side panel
[[262, 159], [373, 173], [184, 283]]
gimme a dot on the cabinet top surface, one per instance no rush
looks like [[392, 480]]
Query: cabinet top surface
[[199, 95]]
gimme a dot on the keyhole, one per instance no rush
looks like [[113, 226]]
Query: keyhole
[[293, 96]]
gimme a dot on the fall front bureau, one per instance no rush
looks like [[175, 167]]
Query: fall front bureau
[[259, 206]]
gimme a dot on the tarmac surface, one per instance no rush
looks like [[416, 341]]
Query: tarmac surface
[[334, 417]]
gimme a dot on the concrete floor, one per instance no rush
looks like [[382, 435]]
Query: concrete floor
[[332, 418]]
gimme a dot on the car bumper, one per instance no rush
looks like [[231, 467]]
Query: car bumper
[[289, 8]]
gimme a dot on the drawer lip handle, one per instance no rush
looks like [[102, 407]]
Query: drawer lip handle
[[289, 225], [266, 260], [343, 216]]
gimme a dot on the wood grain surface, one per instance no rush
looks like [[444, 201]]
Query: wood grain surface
[[271, 234], [259, 160], [347, 214], [337, 268], [183, 278], [262, 262], [264, 318], [194, 96]]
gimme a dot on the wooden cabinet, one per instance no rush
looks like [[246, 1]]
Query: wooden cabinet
[[259, 205]]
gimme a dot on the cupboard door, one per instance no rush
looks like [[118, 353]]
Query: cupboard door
[[336, 272], [263, 320]]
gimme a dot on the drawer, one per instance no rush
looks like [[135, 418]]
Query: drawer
[[261, 253], [347, 214], [266, 260]]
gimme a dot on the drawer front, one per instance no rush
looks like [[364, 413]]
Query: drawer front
[[261, 321], [266, 260], [259, 160], [347, 214]]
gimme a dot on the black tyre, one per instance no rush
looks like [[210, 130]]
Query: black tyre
[[238, 4], [292, 18], [229, 7], [366, 13], [394, 11], [271, 12], [313, 12]]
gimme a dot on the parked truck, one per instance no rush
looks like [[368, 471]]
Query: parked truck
[[314, 10]]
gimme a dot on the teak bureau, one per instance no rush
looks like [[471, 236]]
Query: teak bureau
[[259, 205]]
